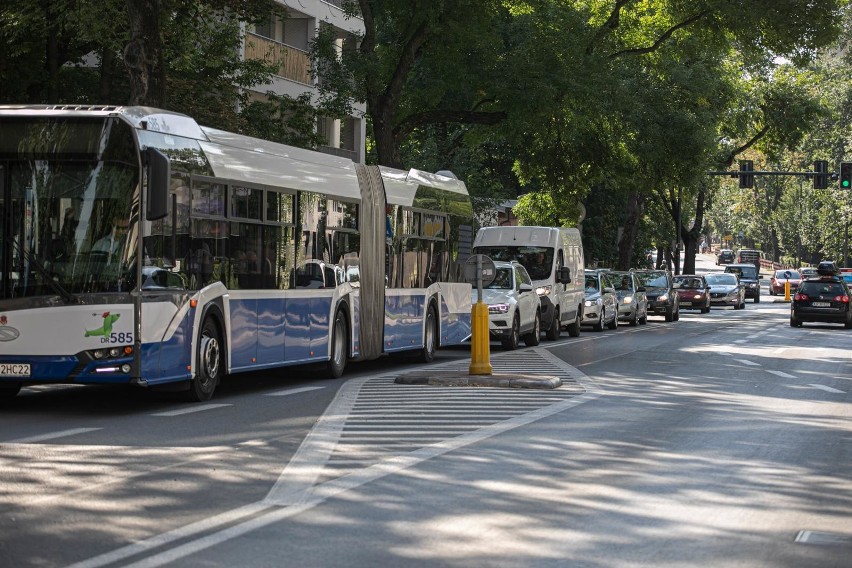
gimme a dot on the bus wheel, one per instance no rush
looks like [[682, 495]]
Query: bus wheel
[[9, 390], [430, 336], [337, 346], [208, 363]]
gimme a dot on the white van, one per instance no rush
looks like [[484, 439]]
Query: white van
[[554, 259]]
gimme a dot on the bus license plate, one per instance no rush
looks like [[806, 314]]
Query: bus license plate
[[821, 304], [14, 369]]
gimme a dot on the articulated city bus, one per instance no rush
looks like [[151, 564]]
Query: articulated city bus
[[140, 248]]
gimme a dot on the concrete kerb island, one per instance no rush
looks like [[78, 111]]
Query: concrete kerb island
[[496, 380]]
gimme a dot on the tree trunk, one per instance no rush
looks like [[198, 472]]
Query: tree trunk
[[107, 67], [692, 238], [635, 208], [143, 54]]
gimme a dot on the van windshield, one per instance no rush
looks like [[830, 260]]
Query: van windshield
[[537, 260]]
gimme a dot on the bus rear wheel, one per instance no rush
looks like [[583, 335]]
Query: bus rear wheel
[[430, 336], [208, 363], [337, 346]]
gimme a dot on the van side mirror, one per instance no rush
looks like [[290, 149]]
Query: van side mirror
[[158, 169], [564, 275], [525, 288]]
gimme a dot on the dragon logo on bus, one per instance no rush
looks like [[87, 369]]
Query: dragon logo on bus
[[106, 329]]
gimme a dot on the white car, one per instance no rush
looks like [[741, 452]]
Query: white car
[[514, 308]]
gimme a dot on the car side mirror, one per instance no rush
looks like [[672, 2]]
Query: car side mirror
[[564, 275], [707, 288], [525, 288], [609, 290], [641, 289], [676, 285]]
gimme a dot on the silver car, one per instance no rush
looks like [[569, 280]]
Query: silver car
[[725, 290], [601, 306], [632, 302]]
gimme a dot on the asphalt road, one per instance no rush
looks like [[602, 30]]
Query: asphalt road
[[722, 439]]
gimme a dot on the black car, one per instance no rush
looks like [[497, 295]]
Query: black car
[[726, 256], [660, 291], [749, 278], [822, 299]]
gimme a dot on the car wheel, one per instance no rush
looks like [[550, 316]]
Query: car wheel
[[555, 327], [670, 314], [533, 338], [634, 321], [574, 327], [208, 361], [600, 323], [511, 342], [795, 322], [644, 319], [757, 299], [848, 323], [614, 323], [676, 316]]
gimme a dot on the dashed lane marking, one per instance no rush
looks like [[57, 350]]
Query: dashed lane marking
[[781, 374], [190, 409], [287, 392], [51, 435], [826, 389]]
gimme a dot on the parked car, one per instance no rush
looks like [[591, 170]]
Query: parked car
[[822, 299], [660, 291], [632, 302], [847, 277], [780, 277], [694, 292], [725, 290], [601, 306], [514, 310], [726, 256], [749, 277]]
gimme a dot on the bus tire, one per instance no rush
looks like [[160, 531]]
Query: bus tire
[[337, 346], [430, 336], [9, 390], [209, 367]]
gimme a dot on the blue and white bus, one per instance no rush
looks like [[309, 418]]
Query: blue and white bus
[[140, 248]]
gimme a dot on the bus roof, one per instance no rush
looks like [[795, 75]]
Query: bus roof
[[256, 161]]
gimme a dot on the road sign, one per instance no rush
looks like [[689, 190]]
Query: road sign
[[486, 266]]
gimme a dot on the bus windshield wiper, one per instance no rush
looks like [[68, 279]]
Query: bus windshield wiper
[[66, 296]]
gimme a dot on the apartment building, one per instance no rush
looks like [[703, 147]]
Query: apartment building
[[287, 42]]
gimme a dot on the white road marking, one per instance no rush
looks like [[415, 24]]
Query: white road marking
[[781, 374], [741, 341], [51, 436], [826, 389], [293, 391], [821, 537], [747, 362], [294, 491], [190, 409]]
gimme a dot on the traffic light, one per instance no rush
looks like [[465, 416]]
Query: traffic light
[[845, 175], [746, 177], [821, 174]]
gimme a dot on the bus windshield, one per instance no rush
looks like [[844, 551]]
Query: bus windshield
[[66, 206]]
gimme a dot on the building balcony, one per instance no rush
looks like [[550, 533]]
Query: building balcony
[[293, 64]]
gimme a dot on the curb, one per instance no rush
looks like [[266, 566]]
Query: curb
[[497, 380]]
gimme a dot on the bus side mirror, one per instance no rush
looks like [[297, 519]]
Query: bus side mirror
[[564, 275], [159, 178]]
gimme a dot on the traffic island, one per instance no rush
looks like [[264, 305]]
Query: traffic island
[[496, 380]]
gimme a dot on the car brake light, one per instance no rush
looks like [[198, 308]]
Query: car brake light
[[799, 297], [844, 299]]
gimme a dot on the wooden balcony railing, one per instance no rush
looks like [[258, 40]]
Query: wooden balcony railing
[[292, 63]]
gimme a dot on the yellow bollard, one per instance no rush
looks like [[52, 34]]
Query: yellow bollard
[[480, 346], [786, 290]]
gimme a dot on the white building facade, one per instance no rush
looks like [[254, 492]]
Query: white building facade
[[287, 42]]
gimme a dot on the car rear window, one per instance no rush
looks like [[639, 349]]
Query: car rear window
[[821, 288], [744, 271]]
